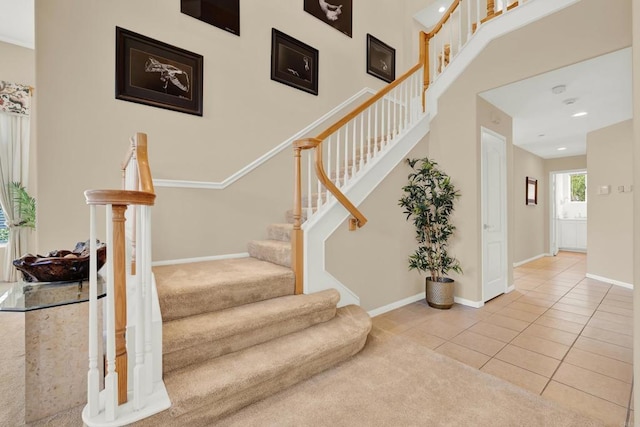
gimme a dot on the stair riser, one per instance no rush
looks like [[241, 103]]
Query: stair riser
[[279, 233], [230, 295], [215, 408], [280, 255], [208, 350]]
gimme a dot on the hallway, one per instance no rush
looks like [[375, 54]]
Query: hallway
[[559, 334]]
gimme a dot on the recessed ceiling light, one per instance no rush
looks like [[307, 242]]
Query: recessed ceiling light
[[579, 114], [558, 89], [562, 148], [541, 135], [442, 9], [569, 101]]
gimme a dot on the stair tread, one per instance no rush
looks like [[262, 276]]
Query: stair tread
[[186, 332], [194, 288], [228, 376]]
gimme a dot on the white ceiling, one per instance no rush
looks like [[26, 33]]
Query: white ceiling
[[17, 22], [542, 122]]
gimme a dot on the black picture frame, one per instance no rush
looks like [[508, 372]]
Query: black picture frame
[[531, 191], [293, 62], [381, 59], [336, 13], [154, 73], [224, 14]]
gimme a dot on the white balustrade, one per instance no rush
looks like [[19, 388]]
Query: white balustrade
[[347, 152]]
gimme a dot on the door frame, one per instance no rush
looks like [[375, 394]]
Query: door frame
[[505, 219]]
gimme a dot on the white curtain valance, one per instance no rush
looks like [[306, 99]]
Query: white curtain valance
[[15, 98]]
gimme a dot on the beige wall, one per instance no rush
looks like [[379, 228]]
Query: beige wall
[[529, 229], [373, 261], [18, 66], [245, 114], [610, 227], [636, 202]]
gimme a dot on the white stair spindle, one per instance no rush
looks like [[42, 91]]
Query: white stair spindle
[[337, 180], [362, 153], [354, 144], [319, 191], [477, 14], [93, 376], [309, 195], [468, 4], [433, 64], [407, 100], [138, 280], [459, 26], [329, 162], [345, 176], [148, 349], [441, 62], [375, 130], [388, 121], [383, 134], [111, 380], [450, 37], [395, 113], [504, 6], [369, 134]]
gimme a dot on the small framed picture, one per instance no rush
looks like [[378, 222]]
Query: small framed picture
[[381, 59], [337, 13], [155, 73], [224, 14], [532, 191], [293, 63]]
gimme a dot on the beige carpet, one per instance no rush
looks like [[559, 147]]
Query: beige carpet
[[395, 382]]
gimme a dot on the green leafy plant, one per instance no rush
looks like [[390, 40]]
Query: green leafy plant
[[25, 205], [428, 202]]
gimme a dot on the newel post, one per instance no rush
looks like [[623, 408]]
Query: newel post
[[297, 236], [120, 297]]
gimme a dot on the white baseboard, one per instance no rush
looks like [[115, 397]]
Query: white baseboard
[[610, 281], [385, 308], [468, 303], [510, 289], [199, 259], [519, 263]]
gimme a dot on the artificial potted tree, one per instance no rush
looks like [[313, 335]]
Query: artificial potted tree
[[428, 202]]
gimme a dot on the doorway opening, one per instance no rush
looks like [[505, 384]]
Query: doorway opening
[[568, 213]]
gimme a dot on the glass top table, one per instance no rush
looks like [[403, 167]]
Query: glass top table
[[28, 296]]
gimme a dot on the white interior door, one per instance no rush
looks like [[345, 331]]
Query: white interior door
[[494, 214]]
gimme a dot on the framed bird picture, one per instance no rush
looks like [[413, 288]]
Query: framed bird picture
[[155, 73], [337, 13], [381, 59]]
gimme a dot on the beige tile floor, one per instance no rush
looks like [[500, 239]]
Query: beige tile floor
[[559, 334]]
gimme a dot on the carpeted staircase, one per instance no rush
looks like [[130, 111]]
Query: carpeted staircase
[[234, 333]]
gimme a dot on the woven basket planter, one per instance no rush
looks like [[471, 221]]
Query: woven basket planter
[[440, 293]]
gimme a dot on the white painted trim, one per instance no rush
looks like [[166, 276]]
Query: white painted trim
[[519, 263], [176, 183], [468, 303], [199, 259], [610, 281], [510, 288], [401, 303]]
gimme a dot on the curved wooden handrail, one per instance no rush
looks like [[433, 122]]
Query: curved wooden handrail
[[119, 197], [144, 171]]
